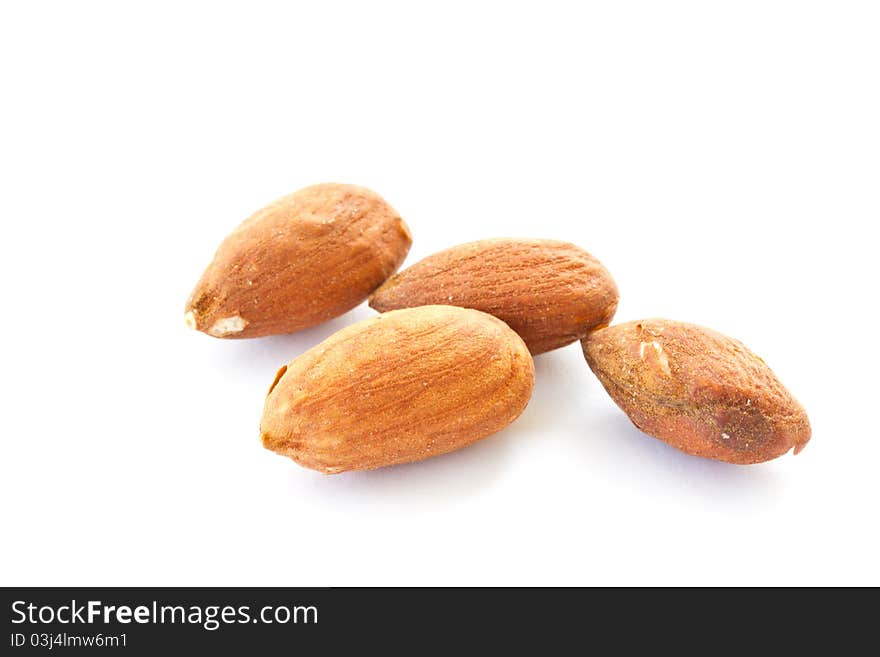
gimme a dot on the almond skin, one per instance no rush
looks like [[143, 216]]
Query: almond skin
[[698, 390], [400, 387], [306, 258], [551, 293]]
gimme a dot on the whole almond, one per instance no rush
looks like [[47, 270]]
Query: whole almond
[[698, 390], [306, 258], [400, 387], [551, 293]]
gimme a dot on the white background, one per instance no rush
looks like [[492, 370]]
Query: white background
[[722, 159]]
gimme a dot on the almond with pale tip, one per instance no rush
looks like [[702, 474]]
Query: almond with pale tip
[[302, 260]]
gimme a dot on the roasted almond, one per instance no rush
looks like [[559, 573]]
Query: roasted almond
[[304, 259], [698, 390], [400, 387], [551, 293]]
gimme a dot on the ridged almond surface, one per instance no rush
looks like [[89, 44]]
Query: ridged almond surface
[[551, 293], [400, 387], [697, 390], [306, 258]]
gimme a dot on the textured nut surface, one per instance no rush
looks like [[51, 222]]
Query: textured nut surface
[[551, 293], [306, 258], [697, 390], [400, 387]]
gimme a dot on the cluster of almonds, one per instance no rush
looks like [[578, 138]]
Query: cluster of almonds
[[449, 359]]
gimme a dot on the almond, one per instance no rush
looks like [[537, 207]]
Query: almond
[[551, 293], [400, 387], [306, 258], [698, 390]]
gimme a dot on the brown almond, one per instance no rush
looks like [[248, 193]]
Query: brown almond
[[698, 390], [306, 258], [400, 387], [551, 293]]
